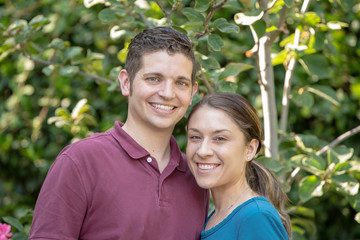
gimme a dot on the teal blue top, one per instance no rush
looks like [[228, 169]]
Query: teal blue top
[[255, 219]]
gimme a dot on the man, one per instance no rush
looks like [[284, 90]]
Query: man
[[131, 182]]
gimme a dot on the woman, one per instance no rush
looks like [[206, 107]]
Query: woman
[[224, 135]]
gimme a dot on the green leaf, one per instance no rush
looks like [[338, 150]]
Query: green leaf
[[18, 24], [324, 92], [304, 99], [90, 3], [309, 140], [354, 165], [343, 153], [226, 86], [316, 65], [192, 15], [354, 201], [58, 44], [280, 57], [89, 120], [48, 70], [72, 52], [215, 42], [302, 211], [289, 3], [202, 5], [224, 26], [314, 163], [309, 187], [332, 157], [15, 223], [233, 69], [259, 27], [341, 167], [271, 163], [19, 236], [107, 15], [39, 21], [355, 89], [357, 217], [346, 183], [62, 112], [312, 18], [120, 13], [307, 224], [68, 71], [209, 62]]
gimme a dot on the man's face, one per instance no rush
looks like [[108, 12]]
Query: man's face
[[161, 90]]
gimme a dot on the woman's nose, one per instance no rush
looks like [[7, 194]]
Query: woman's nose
[[205, 149]]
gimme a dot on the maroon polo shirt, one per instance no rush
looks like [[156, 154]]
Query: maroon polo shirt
[[109, 187]]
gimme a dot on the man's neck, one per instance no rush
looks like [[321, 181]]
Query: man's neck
[[155, 141]]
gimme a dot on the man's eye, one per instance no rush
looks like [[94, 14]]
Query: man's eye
[[182, 83], [152, 79]]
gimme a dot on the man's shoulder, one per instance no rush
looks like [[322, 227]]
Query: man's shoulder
[[94, 142]]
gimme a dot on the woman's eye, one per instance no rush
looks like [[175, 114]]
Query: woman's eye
[[220, 139], [194, 137]]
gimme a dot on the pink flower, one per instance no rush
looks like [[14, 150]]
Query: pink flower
[[5, 231]]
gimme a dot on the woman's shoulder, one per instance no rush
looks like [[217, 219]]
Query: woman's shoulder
[[257, 206], [258, 212]]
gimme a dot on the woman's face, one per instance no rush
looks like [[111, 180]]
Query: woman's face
[[217, 150]]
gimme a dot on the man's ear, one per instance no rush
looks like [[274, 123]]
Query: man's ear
[[124, 80], [251, 149], [194, 90]]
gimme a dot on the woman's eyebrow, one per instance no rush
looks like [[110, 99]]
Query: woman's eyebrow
[[216, 131]]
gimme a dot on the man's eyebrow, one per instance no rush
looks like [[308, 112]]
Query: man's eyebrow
[[152, 73], [161, 75]]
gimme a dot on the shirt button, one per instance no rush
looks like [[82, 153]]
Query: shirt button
[[149, 159]]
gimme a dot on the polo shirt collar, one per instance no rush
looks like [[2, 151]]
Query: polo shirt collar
[[136, 151]]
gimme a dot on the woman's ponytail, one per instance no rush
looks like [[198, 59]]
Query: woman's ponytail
[[265, 183]]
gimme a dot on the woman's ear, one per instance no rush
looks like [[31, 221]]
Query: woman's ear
[[124, 80], [251, 149]]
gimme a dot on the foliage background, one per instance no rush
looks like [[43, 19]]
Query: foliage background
[[58, 80]]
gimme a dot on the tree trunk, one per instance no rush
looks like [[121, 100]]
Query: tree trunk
[[266, 81]]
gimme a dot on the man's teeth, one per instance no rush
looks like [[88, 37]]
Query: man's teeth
[[163, 107], [207, 166]]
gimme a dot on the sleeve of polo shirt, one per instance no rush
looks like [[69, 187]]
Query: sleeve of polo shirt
[[61, 205]]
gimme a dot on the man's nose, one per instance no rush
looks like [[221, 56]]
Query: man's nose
[[167, 90]]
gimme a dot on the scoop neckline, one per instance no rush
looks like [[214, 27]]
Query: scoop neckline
[[228, 217]]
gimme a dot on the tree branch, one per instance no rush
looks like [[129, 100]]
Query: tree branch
[[147, 23], [209, 17], [339, 139], [289, 73], [280, 26], [205, 81], [95, 77], [167, 14]]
